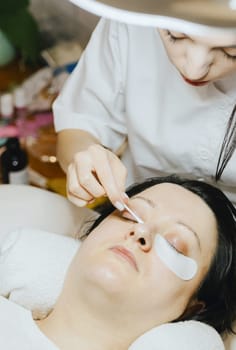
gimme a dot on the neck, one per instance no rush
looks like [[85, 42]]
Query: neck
[[80, 326]]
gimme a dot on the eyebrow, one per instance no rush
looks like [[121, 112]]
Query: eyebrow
[[189, 228], [229, 47], [148, 201]]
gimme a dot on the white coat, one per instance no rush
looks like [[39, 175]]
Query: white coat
[[125, 86]]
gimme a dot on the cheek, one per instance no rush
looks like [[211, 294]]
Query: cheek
[[175, 55], [97, 239], [169, 286], [168, 296], [223, 66], [108, 230], [170, 48], [229, 67], [100, 240], [163, 279]]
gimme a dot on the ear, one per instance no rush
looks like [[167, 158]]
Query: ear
[[194, 307]]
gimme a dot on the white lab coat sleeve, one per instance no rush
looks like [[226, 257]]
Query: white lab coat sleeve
[[92, 98]]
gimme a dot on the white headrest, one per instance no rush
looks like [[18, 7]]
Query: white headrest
[[187, 335]]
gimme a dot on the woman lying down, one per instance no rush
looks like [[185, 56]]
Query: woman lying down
[[128, 278]]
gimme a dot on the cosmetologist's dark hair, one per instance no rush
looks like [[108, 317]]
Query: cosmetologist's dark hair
[[218, 289]]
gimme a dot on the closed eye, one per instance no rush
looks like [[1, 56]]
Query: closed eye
[[173, 37], [174, 248], [227, 55]]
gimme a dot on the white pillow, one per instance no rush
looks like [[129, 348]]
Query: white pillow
[[33, 264], [187, 335], [28, 206]]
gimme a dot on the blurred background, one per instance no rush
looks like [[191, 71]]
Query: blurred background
[[40, 43], [60, 19]]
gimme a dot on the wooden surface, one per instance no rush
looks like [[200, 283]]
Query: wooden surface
[[13, 74]]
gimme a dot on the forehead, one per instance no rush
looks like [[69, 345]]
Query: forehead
[[160, 193], [181, 204]]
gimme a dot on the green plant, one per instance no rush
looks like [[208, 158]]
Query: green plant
[[20, 28]]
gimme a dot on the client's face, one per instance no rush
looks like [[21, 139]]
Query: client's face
[[134, 266]]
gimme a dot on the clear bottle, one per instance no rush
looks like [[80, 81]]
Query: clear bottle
[[6, 114], [21, 111], [14, 163], [19, 99], [6, 108]]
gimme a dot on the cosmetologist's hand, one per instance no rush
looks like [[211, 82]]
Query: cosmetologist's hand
[[94, 173]]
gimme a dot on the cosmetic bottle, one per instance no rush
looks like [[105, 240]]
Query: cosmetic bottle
[[21, 112], [14, 163], [6, 108], [6, 115], [20, 104]]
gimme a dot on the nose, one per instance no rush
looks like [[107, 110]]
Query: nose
[[199, 59], [142, 235]]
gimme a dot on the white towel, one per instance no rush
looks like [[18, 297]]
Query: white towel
[[186, 335], [33, 264]]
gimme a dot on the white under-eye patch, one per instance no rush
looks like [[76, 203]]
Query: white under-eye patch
[[183, 266]]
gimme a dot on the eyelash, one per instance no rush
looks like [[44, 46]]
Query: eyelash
[[174, 248], [173, 39], [229, 57]]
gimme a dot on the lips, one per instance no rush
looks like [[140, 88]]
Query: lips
[[126, 255], [195, 83]]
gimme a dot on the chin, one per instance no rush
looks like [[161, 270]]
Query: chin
[[109, 278]]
